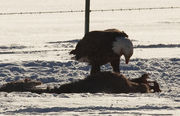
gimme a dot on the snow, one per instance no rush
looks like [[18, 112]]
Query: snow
[[52, 73], [37, 47], [87, 104]]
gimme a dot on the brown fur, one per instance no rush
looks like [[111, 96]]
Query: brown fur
[[153, 85], [142, 79], [106, 82], [20, 85], [103, 82], [96, 46]]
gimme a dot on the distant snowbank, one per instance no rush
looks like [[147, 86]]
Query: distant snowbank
[[158, 46], [12, 47], [59, 51]]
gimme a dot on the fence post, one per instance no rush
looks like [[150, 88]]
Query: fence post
[[87, 12]]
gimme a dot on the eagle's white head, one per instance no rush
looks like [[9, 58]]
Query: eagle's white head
[[123, 46]]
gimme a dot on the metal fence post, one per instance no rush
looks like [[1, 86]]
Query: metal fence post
[[87, 12]]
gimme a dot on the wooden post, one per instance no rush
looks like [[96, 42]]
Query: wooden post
[[87, 12]]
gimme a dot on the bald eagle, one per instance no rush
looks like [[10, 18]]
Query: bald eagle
[[101, 47]]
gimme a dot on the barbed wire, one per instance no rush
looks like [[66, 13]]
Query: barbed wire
[[98, 10], [131, 9]]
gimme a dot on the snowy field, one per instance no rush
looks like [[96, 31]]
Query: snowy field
[[37, 46]]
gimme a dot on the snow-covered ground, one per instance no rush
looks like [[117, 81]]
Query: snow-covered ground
[[37, 47]]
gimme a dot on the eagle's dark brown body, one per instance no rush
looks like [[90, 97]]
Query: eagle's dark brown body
[[96, 48]]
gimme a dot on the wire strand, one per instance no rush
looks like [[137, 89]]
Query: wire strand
[[78, 11]]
